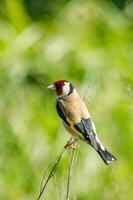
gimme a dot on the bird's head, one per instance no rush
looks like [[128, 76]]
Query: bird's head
[[62, 88]]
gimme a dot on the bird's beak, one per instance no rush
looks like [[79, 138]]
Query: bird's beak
[[51, 87]]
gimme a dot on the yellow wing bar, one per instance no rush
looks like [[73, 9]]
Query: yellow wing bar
[[78, 133]]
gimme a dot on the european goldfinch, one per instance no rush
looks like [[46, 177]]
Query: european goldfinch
[[76, 118]]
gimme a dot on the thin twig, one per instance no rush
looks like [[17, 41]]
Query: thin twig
[[72, 161], [44, 175], [51, 173]]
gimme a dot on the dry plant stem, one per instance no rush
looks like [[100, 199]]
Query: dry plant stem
[[44, 175], [51, 173], [72, 161]]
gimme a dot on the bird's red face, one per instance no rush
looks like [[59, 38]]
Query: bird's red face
[[61, 87]]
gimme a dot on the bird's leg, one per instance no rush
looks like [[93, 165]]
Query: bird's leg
[[71, 144]]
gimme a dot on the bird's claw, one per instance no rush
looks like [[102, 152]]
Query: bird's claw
[[70, 145]]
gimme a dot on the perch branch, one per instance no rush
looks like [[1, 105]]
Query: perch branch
[[71, 166], [42, 188], [53, 170]]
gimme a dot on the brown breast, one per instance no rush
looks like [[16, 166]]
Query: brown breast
[[74, 107]]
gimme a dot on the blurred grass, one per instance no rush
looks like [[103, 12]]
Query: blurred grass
[[89, 43]]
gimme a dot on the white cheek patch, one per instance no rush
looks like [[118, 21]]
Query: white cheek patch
[[66, 90]]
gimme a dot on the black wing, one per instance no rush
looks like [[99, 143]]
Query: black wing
[[84, 127], [60, 113]]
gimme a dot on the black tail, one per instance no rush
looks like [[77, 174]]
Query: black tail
[[106, 156]]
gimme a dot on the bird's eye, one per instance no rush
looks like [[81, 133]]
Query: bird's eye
[[59, 86]]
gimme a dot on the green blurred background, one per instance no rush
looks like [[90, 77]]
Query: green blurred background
[[90, 43]]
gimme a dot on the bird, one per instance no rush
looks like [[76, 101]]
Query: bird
[[77, 119]]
